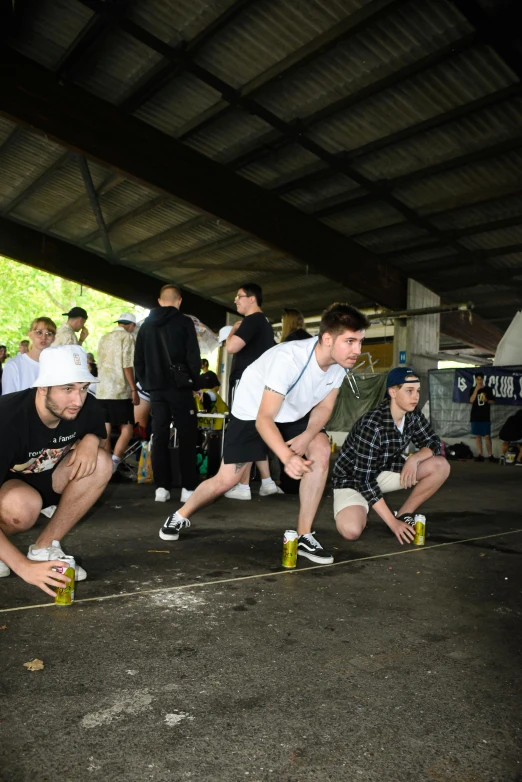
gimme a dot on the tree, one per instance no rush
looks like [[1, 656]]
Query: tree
[[29, 293]]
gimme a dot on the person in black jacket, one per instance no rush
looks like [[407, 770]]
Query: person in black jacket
[[167, 363]]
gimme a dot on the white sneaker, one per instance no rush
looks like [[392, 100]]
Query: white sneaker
[[54, 551], [186, 494], [239, 493], [49, 511], [4, 570], [162, 495], [270, 488]]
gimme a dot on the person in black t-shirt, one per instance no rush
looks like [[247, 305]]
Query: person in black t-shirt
[[208, 379], [247, 341], [51, 455], [481, 398]]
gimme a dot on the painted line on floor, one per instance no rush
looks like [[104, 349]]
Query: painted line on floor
[[157, 590]]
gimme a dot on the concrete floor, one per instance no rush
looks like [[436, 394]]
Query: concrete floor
[[208, 663]]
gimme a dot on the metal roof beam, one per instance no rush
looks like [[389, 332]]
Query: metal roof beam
[[354, 24], [55, 256], [419, 66], [161, 75], [398, 136], [112, 181], [104, 21], [37, 184], [31, 95], [125, 218]]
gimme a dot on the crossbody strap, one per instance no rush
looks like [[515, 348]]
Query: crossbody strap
[[304, 368], [348, 373], [164, 343]]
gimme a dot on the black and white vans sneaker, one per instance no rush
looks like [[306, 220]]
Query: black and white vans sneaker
[[171, 528], [310, 548], [408, 518]]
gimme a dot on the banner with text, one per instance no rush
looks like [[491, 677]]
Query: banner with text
[[506, 384]]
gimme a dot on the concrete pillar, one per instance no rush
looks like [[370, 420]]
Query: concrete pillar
[[422, 334]]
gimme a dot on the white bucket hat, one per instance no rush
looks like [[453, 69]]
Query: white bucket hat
[[224, 332], [63, 364], [126, 317]]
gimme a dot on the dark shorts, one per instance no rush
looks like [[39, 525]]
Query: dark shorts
[[43, 483], [481, 428], [117, 411], [243, 443]]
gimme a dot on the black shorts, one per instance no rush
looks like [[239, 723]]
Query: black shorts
[[42, 482], [243, 443], [117, 412]]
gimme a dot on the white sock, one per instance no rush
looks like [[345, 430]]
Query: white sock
[[244, 485], [266, 481], [116, 459]]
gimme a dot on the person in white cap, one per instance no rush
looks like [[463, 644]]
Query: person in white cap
[[116, 391], [52, 452]]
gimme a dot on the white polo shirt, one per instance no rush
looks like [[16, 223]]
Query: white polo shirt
[[278, 368]]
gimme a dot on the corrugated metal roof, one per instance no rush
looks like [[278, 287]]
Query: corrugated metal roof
[[50, 29]]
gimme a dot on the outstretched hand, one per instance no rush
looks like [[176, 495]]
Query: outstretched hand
[[42, 575]]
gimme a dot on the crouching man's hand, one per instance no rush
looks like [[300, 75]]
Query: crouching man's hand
[[42, 575], [296, 467]]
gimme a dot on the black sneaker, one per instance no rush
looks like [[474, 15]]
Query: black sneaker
[[479, 458], [310, 548], [171, 528], [408, 518]]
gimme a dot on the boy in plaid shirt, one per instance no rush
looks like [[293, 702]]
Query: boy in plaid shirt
[[371, 462]]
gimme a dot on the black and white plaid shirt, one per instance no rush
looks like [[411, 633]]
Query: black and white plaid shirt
[[375, 444]]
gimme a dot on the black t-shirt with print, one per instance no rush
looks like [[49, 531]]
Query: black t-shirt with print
[[256, 332], [208, 380], [28, 445], [480, 409]]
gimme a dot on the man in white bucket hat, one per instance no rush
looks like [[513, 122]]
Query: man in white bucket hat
[[51, 454]]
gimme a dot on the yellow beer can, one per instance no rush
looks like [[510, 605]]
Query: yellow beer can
[[290, 541], [420, 529], [65, 595]]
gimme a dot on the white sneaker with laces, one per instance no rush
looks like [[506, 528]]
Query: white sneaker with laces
[[270, 488], [162, 495], [49, 511], [4, 570], [239, 493], [172, 526], [54, 551], [186, 494]]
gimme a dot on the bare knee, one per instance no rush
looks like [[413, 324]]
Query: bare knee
[[103, 465], [349, 525], [19, 511], [320, 454]]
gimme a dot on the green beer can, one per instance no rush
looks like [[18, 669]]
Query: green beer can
[[290, 541], [420, 529], [65, 595]]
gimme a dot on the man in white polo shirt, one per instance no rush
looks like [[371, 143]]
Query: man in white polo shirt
[[21, 371], [282, 402]]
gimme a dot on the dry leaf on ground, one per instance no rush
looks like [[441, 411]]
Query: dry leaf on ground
[[34, 665]]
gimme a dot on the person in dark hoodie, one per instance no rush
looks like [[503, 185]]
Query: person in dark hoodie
[[167, 364]]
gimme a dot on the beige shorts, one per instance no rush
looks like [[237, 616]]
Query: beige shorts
[[344, 498]]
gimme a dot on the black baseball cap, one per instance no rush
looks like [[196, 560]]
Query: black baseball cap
[[76, 312], [398, 375]]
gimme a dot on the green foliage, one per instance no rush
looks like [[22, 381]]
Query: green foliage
[[28, 293]]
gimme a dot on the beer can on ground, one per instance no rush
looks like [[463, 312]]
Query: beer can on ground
[[65, 594], [420, 529], [290, 541]]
